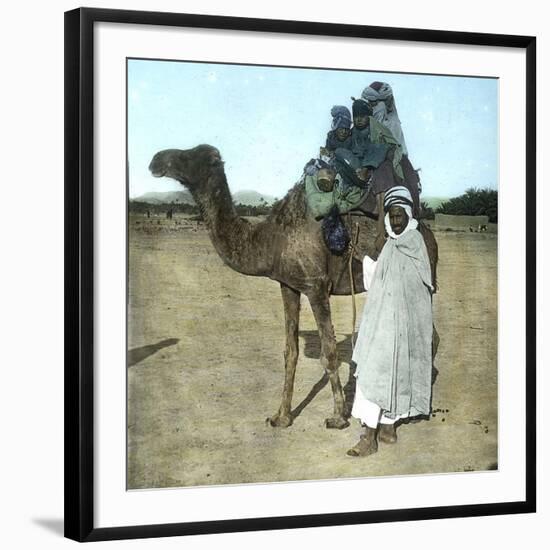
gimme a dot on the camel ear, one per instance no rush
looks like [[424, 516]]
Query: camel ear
[[215, 161]]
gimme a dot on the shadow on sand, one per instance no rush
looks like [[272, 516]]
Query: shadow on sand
[[312, 350], [54, 525], [137, 355]]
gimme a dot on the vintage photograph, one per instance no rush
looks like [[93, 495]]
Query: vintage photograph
[[312, 274]]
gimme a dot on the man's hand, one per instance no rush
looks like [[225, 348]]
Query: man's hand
[[352, 251], [324, 152], [363, 174]]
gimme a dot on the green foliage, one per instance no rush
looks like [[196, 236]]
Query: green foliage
[[160, 209], [474, 202], [140, 207], [426, 211], [248, 210]]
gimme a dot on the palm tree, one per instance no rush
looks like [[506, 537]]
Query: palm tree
[[474, 202]]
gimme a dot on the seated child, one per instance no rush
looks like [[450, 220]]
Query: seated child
[[325, 187], [340, 134]]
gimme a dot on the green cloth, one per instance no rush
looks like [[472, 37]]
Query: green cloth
[[320, 202], [364, 151]]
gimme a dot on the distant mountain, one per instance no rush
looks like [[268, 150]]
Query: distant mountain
[[252, 198], [165, 197], [249, 198], [433, 202]]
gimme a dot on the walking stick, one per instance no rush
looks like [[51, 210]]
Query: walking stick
[[351, 281]]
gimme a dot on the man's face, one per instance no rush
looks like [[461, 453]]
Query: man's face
[[398, 219], [342, 134], [361, 121]]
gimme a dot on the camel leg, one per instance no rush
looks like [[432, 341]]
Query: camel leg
[[435, 347], [329, 358], [291, 302]]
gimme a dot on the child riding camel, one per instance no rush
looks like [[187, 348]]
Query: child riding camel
[[394, 344], [357, 168], [325, 187], [339, 135]]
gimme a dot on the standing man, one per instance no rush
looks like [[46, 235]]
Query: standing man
[[394, 344]]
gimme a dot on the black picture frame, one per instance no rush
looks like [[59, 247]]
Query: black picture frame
[[79, 269]]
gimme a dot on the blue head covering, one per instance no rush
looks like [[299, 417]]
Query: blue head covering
[[341, 117]]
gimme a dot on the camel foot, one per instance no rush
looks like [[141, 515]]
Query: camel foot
[[280, 421], [387, 433], [367, 444], [336, 423]]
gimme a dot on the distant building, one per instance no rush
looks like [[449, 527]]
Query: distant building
[[462, 223]]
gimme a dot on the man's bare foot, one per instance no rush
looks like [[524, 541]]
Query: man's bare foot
[[387, 433], [367, 444]]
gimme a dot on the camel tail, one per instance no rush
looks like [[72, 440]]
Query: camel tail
[[433, 250]]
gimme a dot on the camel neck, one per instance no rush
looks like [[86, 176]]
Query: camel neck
[[234, 239]]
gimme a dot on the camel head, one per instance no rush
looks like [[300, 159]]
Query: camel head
[[193, 168]]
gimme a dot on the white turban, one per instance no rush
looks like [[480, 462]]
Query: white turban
[[381, 92], [399, 196]]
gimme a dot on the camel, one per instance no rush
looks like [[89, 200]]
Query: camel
[[287, 247]]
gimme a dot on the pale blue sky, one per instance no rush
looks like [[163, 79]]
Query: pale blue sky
[[268, 122]]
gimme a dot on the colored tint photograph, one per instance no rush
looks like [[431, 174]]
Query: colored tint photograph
[[312, 275]]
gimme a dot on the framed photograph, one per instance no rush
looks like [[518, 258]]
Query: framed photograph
[[300, 274]]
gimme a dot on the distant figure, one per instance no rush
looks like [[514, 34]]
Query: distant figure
[[148, 214], [169, 214]]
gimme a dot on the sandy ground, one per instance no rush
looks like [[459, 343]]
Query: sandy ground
[[205, 370]]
